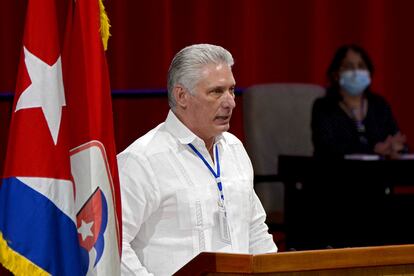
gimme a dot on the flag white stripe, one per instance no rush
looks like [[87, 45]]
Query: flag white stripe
[[58, 191]]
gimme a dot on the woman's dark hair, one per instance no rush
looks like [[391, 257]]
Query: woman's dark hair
[[336, 63]]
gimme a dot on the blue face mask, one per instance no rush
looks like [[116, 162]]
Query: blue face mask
[[354, 82]]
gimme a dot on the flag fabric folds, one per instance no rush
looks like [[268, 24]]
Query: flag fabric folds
[[59, 196]]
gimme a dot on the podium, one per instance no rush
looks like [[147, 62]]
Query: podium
[[380, 260]]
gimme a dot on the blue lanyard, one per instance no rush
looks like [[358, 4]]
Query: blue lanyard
[[216, 175]]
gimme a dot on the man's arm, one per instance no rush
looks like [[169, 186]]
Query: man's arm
[[139, 199], [260, 239]]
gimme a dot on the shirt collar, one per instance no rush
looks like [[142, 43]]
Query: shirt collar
[[182, 133]]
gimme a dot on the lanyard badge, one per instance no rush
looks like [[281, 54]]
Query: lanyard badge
[[222, 216]]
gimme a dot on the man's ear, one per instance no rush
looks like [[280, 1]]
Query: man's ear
[[181, 96]]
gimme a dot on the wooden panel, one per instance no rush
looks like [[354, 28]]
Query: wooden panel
[[206, 263], [361, 271], [334, 258], [381, 260]]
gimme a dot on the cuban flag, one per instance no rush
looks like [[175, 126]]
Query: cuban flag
[[60, 207]]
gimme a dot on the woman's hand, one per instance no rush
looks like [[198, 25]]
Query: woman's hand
[[392, 146], [398, 142]]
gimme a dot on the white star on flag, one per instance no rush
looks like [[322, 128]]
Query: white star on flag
[[85, 230], [45, 91]]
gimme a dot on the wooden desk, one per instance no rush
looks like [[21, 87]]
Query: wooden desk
[[382, 260], [347, 203]]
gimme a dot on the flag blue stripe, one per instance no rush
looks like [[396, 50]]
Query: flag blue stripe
[[35, 228]]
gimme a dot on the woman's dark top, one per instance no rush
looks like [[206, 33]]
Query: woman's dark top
[[335, 134]]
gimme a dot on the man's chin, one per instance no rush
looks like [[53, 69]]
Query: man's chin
[[223, 127]]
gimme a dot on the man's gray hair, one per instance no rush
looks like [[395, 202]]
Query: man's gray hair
[[186, 65]]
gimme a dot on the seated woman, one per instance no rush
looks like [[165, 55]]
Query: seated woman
[[350, 118]]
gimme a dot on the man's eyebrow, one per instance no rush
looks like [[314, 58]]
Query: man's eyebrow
[[221, 86]]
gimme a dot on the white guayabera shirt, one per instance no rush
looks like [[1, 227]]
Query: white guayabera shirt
[[170, 201]]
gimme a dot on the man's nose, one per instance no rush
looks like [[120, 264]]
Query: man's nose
[[229, 100]]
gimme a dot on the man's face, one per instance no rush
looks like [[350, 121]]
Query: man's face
[[210, 108]]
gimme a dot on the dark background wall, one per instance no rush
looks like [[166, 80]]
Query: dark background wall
[[271, 41]]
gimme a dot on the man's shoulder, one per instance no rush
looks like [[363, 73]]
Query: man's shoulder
[[231, 139], [155, 139]]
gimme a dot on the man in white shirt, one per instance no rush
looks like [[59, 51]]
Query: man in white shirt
[[187, 185]]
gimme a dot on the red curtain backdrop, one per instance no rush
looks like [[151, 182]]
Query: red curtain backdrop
[[271, 41]]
